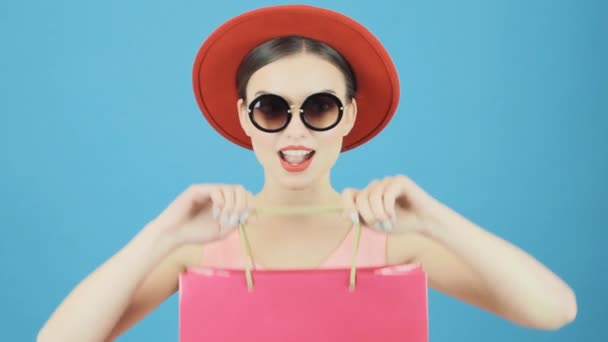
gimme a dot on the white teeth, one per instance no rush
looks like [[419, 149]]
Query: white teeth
[[295, 157], [295, 153]]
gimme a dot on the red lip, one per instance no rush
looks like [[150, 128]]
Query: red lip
[[296, 168], [296, 147], [300, 167]]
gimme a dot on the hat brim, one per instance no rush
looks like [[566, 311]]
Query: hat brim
[[217, 61]]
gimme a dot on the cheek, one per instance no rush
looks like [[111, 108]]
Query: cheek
[[330, 143], [264, 145]]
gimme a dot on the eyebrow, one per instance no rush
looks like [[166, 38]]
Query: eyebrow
[[263, 92]]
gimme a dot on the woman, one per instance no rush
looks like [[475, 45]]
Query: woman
[[299, 102]]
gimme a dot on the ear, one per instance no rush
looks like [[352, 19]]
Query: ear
[[350, 116], [243, 117]]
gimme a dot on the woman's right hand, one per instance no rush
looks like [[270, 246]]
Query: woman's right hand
[[204, 213]]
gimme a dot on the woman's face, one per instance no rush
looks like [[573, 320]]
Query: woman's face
[[297, 156]]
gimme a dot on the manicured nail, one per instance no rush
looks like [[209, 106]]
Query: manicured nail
[[234, 218], [378, 226], [354, 217], [224, 219], [244, 217], [216, 213], [387, 226]]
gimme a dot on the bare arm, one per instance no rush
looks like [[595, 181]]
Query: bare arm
[[156, 288], [102, 304], [460, 258], [145, 272], [470, 264]]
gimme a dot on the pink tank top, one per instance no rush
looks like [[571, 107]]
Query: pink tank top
[[227, 253]]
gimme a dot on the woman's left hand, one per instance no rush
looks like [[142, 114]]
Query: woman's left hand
[[394, 204], [460, 257]]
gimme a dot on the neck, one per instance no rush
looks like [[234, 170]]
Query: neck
[[320, 193], [275, 195]]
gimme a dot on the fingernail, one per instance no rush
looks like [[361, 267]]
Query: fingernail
[[224, 219], [387, 225], [244, 217], [234, 218], [216, 213], [378, 226], [354, 217]]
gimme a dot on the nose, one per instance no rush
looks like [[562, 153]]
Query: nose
[[296, 128]]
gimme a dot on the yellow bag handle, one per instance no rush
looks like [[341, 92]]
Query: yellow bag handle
[[246, 247]]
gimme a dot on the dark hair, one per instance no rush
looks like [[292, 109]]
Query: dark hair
[[280, 47]]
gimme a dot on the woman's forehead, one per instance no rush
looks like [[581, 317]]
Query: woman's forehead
[[297, 77]]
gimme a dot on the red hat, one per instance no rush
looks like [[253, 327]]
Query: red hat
[[217, 61]]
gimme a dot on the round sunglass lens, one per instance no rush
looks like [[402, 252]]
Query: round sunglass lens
[[270, 112], [321, 111]]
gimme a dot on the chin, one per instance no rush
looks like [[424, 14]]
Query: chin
[[296, 181]]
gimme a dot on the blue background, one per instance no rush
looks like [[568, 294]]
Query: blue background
[[503, 117]]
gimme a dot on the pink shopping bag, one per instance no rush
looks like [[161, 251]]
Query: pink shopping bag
[[358, 304]]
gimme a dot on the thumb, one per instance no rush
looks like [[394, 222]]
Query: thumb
[[348, 204]]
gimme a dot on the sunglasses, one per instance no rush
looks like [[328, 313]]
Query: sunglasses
[[319, 112]]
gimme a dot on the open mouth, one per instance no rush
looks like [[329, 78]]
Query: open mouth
[[296, 157]]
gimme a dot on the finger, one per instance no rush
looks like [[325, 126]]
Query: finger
[[376, 201], [228, 208], [393, 191], [363, 206], [217, 200], [349, 205], [240, 206]]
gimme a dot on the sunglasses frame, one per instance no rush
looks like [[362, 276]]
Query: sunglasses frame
[[290, 112]]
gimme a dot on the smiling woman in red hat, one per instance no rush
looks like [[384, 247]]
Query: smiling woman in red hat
[[298, 85]]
